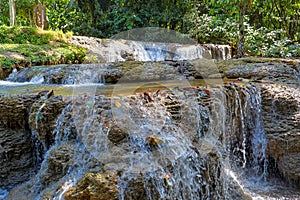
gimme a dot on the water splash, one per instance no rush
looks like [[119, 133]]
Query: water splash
[[246, 138], [66, 186]]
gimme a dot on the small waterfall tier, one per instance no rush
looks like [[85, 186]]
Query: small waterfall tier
[[109, 50]]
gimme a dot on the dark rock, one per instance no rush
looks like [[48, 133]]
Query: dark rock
[[17, 156], [42, 119], [17, 153], [57, 164], [116, 134]]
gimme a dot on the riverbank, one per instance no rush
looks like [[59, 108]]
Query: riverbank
[[22, 47]]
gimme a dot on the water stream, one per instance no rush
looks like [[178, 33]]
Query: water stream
[[162, 139]]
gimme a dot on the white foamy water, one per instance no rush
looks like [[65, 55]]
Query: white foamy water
[[67, 185], [11, 83], [35, 80]]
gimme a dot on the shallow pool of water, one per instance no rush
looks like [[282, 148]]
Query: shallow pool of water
[[120, 89]]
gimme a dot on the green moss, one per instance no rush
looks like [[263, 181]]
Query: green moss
[[37, 47], [31, 35]]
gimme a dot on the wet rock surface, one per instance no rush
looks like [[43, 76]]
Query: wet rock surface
[[42, 119], [19, 148], [281, 113], [99, 147], [95, 186], [17, 157], [130, 71], [282, 71], [57, 163]]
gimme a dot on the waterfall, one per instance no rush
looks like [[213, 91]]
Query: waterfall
[[113, 50], [245, 132], [182, 173], [176, 141], [184, 143]]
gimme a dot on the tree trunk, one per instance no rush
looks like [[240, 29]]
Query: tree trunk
[[241, 42], [12, 12]]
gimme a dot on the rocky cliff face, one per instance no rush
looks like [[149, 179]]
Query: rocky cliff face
[[282, 125], [281, 112], [20, 148], [107, 171], [17, 153]]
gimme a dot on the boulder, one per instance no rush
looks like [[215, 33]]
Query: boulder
[[271, 72]]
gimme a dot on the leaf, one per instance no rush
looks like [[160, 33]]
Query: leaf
[[118, 104], [154, 141], [207, 91]]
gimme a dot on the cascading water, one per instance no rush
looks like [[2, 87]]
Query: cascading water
[[187, 143], [182, 143], [246, 138], [122, 50], [157, 148]]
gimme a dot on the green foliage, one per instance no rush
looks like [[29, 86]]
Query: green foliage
[[62, 16], [41, 54], [107, 18], [31, 35], [209, 29], [271, 28], [279, 14], [7, 63], [265, 34], [4, 10], [37, 47], [266, 42]]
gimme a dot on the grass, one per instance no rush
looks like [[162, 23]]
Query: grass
[[36, 47], [31, 35]]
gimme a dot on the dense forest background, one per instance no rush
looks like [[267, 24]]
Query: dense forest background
[[266, 27]]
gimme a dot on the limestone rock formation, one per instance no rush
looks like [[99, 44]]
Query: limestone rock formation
[[19, 150], [95, 186], [42, 119], [17, 158], [281, 111], [130, 71], [17, 153], [58, 161], [271, 72], [109, 50], [164, 144]]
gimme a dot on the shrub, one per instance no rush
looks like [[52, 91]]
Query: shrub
[[31, 35]]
